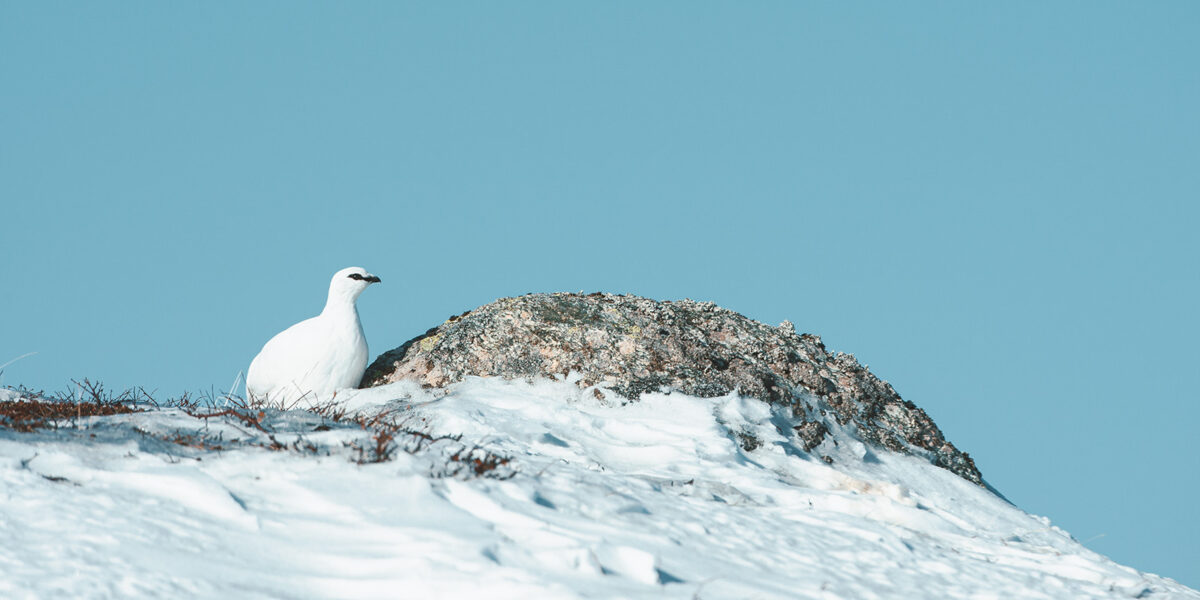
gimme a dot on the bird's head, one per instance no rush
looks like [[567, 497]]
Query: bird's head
[[350, 282]]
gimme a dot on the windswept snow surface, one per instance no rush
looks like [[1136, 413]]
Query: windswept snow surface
[[669, 497]]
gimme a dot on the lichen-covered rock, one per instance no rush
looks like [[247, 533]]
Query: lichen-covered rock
[[630, 345]]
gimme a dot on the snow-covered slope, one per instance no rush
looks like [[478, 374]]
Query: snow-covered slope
[[672, 496]]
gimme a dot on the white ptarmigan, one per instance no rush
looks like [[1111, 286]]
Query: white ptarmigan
[[317, 356]]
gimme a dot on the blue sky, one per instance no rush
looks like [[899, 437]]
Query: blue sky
[[995, 207]]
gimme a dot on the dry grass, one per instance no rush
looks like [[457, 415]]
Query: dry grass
[[30, 415], [479, 462], [41, 411], [388, 432]]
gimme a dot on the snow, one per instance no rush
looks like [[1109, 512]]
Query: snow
[[653, 499]]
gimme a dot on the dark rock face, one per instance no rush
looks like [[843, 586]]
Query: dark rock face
[[631, 345]]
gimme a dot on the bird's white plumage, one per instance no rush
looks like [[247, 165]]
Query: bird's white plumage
[[317, 356]]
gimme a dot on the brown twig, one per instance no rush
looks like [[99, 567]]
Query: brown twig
[[252, 420]]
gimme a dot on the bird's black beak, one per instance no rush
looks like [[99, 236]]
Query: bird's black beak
[[372, 279]]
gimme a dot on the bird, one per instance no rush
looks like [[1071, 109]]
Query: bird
[[315, 357]]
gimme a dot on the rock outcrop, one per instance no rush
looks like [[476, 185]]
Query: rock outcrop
[[629, 345]]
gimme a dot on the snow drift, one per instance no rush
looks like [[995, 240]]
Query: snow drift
[[672, 496]]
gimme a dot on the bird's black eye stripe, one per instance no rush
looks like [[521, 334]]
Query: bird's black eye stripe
[[355, 276]]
